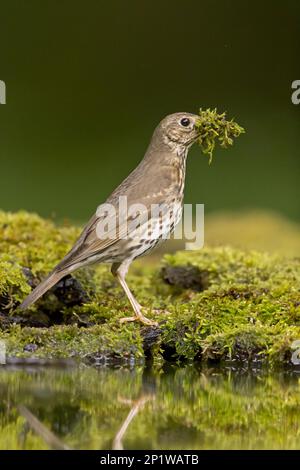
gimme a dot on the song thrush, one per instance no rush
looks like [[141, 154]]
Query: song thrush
[[158, 181]]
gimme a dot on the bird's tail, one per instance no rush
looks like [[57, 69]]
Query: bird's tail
[[45, 285]]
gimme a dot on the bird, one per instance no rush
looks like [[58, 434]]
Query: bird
[[117, 235]]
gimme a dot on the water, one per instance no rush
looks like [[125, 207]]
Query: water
[[183, 408]]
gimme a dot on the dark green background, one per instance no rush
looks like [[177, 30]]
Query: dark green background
[[87, 82]]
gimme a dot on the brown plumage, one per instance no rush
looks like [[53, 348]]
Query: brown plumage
[[157, 180]]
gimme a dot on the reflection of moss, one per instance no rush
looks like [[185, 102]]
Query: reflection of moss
[[188, 409], [249, 308]]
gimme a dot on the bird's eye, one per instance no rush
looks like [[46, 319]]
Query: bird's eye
[[185, 122]]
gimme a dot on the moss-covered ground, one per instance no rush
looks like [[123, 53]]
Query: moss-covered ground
[[214, 304]]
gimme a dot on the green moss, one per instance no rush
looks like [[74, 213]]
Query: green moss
[[13, 284], [214, 127], [28, 240], [249, 308], [69, 341]]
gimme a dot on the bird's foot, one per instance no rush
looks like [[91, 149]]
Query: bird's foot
[[141, 318]]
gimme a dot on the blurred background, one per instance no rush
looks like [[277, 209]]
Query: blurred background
[[87, 82]]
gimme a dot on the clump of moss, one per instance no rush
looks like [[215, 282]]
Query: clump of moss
[[215, 304], [31, 241], [214, 127], [13, 284], [250, 310], [98, 343]]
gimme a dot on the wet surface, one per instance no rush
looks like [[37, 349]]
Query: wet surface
[[70, 407]]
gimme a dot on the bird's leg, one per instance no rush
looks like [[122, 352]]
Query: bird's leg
[[119, 270]]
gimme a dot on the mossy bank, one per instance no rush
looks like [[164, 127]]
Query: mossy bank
[[214, 304]]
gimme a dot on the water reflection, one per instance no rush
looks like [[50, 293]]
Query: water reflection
[[188, 408], [136, 406]]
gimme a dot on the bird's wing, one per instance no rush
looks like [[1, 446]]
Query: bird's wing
[[90, 243], [138, 192]]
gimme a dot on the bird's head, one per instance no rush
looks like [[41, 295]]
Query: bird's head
[[179, 128]]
